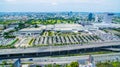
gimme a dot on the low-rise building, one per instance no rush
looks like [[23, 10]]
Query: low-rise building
[[106, 25], [90, 27], [65, 27], [1, 27], [30, 31], [8, 30]]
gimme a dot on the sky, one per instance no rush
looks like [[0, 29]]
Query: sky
[[59, 5]]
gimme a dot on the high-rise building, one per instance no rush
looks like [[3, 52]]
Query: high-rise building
[[96, 18], [90, 17], [108, 18], [70, 13]]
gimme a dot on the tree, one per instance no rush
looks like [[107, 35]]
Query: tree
[[36, 26], [74, 64], [106, 64], [57, 65], [4, 62], [21, 25]]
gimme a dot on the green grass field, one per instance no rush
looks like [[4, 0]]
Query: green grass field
[[109, 64]]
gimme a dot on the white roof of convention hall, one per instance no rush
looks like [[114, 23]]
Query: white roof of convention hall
[[49, 27], [64, 27], [68, 27], [107, 25], [31, 29], [90, 27]]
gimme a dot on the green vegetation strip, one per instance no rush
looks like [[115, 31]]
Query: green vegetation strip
[[86, 53], [31, 41], [14, 41], [72, 64], [108, 64], [11, 45]]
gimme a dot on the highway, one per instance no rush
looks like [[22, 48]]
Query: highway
[[64, 60], [53, 50]]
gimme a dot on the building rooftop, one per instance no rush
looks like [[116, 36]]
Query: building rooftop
[[31, 29], [112, 25], [65, 27], [8, 29]]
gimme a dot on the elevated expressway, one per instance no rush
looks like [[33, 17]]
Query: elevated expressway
[[55, 50]]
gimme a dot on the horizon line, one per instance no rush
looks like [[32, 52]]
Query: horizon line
[[55, 11]]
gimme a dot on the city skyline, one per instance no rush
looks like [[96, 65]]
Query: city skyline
[[59, 6]]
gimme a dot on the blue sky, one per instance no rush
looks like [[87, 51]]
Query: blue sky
[[59, 5]]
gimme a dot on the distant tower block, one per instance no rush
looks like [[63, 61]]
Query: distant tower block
[[96, 18], [108, 18], [90, 17]]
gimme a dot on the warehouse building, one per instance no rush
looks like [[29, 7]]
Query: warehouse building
[[106, 25], [65, 27], [30, 31]]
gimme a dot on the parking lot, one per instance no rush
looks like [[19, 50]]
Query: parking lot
[[106, 36], [96, 36], [4, 41], [23, 42], [56, 40], [74, 39]]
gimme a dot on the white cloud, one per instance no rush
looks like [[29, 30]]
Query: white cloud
[[54, 3], [10, 0]]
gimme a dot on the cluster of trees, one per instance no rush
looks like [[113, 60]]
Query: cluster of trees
[[48, 33], [21, 25], [118, 29], [5, 64], [116, 20], [108, 64], [6, 46], [72, 64], [76, 64], [6, 22], [9, 34], [51, 21]]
